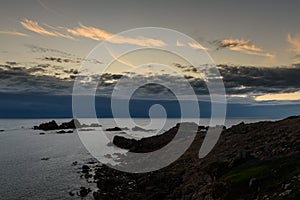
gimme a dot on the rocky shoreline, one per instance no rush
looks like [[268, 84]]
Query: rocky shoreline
[[250, 161]]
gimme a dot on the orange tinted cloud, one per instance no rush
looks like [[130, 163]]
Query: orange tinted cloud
[[120, 60], [192, 45], [88, 32], [35, 27], [180, 44], [293, 96], [99, 34], [197, 46], [243, 46], [294, 42], [14, 33]]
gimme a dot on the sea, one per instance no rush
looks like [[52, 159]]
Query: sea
[[40, 167]]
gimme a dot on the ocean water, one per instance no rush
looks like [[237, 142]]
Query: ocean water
[[24, 175]]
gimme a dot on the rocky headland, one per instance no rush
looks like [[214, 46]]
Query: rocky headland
[[250, 161]]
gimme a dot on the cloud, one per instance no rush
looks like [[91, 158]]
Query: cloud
[[241, 82], [35, 27], [120, 60], [180, 44], [26, 80], [192, 45], [258, 81], [38, 49], [241, 45], [13, 33], [99, 34], [60, 60], [294, 42], [197, 46], [88, 32], [185, 68], [291, 96], [59, 56]]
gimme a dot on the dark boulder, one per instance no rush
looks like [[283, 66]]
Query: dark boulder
[[85, 169], [75, 163], [84, 191]]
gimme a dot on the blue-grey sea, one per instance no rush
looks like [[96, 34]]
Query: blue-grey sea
[[24, 174]]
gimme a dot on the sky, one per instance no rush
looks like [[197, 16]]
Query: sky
[[255, 45]]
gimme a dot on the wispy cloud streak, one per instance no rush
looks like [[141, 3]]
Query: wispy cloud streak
[[35, 27], [294, 42], [13, 33], [243, 46], [90, 33], [99, 34]]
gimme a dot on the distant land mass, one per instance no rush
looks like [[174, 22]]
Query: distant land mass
[[60, 106]]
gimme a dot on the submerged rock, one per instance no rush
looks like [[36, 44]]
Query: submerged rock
[[75, 163], [85, 169]]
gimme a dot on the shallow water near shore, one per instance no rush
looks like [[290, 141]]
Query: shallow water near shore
[[35, 166]]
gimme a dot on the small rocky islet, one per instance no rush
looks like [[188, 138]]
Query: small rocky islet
[[73, 124]]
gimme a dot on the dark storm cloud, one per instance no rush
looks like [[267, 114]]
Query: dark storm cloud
[[23, 80], [238, 80], [249, 80], [243, 80]]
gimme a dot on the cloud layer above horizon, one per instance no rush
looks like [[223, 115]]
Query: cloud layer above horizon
[[243, 84]]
